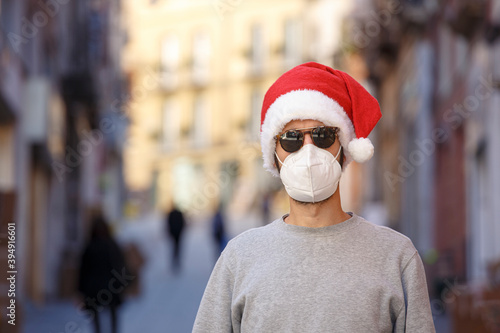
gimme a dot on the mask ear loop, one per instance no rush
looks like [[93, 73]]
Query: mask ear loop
[[340, 149], [275, 153]]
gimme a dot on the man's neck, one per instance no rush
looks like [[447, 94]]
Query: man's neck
[[325, 213]]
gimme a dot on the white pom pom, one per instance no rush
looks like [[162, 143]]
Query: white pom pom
[[361, 149]]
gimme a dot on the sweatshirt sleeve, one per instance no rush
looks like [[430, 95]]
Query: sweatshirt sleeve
[[415, 315], [214, 313]]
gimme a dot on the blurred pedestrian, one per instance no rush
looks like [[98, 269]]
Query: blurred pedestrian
[[175, 224], [219, 231], [317, 268], [266, 207], [103, 274]]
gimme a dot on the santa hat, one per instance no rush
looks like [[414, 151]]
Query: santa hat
[[315, 91]]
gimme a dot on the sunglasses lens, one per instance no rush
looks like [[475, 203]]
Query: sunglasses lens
[[323, 137], [291, 141]]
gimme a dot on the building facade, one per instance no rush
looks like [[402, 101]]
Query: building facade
[[437, 81], [199, 72], [60, 137]]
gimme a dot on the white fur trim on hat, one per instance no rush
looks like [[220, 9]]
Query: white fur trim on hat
[[361, 149], [302, 105]]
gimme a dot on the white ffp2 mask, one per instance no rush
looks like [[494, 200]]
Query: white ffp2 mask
[[311, 174]]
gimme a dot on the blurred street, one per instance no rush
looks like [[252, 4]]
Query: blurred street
[[167, 303], [115, 112]]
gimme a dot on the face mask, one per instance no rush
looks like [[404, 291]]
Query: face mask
[[311, 174]]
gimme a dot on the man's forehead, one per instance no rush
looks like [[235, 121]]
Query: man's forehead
[[301, 123]]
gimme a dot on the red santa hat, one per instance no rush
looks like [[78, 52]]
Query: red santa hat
[[315, 91]]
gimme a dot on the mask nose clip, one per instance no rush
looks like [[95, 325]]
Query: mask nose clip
[[283, 163]]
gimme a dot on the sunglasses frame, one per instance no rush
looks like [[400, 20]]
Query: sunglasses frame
[[306, 130]]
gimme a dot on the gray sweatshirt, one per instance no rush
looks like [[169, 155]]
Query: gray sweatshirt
[[350, 277]]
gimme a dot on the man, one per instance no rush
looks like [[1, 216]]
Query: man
[[219, 230], [318, 268], [175, 227]]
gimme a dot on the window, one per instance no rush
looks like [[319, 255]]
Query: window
[[8, 15], [445, 62], [253, 127], [201, 123], [170, 125], [201, 58], [258, 51], [495, 12], [7, 152], [170, 57], [293, 43], [313, 47]]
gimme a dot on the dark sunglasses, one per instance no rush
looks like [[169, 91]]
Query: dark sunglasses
[[293, 140]]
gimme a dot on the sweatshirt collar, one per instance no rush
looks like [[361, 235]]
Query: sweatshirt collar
[[321, 231]]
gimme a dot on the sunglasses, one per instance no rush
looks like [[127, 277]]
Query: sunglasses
[[293, 140]]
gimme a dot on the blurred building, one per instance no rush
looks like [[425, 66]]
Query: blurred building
[[436, 72], [60, 137], [198, 74]]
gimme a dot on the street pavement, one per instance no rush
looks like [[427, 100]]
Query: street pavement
[[168, 302]]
